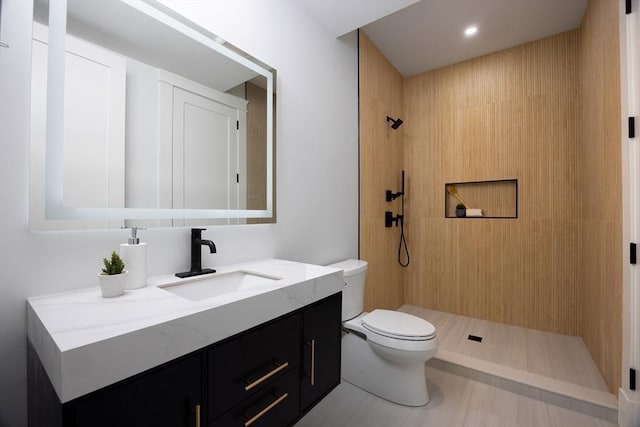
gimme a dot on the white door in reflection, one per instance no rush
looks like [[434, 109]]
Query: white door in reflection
[[207, 148]]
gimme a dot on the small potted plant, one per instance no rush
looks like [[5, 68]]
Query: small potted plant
[[461, 210], [113, 277]]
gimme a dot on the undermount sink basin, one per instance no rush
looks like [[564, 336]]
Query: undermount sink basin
[[216, 284]]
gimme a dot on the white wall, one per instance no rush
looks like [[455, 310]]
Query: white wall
[[316, 158]]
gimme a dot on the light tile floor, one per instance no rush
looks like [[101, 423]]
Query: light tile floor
[[458, 401], [455, 401]]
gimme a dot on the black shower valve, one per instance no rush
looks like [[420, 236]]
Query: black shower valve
[[390, 220]]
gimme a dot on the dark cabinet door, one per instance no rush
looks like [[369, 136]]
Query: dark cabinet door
[[321, 350], [169, 396]]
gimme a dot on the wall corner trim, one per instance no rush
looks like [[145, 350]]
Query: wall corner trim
[[628, 409]]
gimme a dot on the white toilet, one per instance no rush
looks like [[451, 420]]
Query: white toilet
[[383, 352]]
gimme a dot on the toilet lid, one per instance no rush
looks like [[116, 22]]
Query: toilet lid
[[398, 325]]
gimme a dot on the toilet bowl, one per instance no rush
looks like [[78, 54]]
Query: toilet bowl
[[384, 352]]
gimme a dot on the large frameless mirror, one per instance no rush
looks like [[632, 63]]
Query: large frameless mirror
[[139, 116]]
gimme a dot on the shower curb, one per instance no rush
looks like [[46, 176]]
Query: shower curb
[[577, 398]]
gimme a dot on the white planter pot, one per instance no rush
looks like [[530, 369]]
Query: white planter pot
[[112, 285]]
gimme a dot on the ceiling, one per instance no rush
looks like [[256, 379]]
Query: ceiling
[[343, 16], [428, 34], [119, 27]]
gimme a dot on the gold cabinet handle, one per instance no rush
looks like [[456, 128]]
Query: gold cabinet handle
[[266, 376], [313, 361], [196, 409], [265, 410]]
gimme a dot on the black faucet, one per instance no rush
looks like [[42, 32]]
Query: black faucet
[[196, 254]]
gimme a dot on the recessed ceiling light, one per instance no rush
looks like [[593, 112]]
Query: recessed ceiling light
[[470, 31]]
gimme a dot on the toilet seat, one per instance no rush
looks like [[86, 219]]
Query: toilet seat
[[413, 345], [398, 325]]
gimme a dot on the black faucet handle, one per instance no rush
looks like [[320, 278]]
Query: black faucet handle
[[197, 232]]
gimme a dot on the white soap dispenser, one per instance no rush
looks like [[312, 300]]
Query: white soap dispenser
[[134, 256]]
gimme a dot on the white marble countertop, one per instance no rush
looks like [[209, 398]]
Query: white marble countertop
[[86, 342]]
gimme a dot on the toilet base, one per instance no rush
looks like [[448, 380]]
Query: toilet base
[[401, 383]]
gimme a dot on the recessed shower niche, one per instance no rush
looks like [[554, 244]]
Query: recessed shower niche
[[498, 199]]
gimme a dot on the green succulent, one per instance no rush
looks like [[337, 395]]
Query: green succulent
[[115, 266]]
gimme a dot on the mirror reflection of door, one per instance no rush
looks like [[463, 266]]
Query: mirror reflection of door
[[207, 138]]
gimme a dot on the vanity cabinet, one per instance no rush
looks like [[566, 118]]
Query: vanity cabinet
[[321, 351], [267, 376], [277, 372]]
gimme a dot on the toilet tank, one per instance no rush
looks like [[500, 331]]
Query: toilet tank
[[355, 272]]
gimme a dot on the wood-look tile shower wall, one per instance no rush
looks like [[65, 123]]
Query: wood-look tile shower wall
[[380, 167], [546, 113], [600, 145], [511, 114]]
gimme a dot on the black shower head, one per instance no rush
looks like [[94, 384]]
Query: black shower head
[[396, 123]]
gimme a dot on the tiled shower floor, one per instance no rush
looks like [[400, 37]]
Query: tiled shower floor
[[561, 357]]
